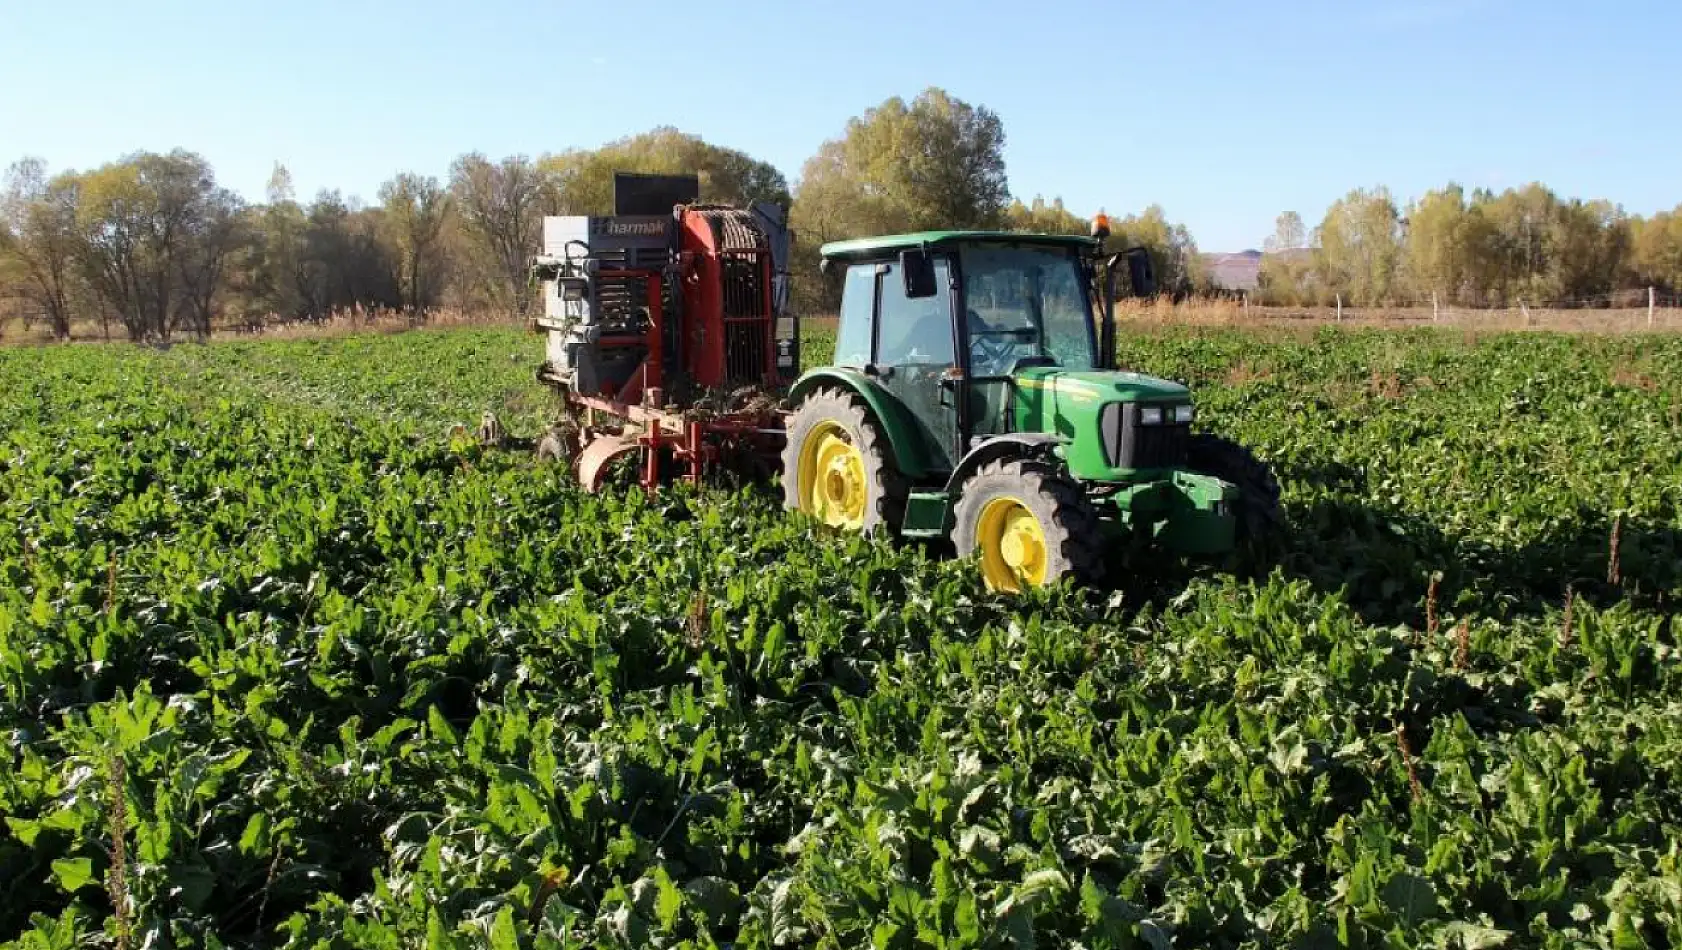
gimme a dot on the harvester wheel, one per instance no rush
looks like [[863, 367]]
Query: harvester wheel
[[837, 466], [1031, 524], [1258, 509]]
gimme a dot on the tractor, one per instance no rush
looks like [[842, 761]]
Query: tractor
[[972, 401], [973, 398]]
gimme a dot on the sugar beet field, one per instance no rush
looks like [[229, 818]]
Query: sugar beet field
[[282, 666]]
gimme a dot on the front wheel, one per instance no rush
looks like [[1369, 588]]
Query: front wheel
[[1260, 515], [1031, 525]]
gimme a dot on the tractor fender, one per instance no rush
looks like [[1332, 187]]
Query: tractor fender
[[1012, 445], [897, 424]]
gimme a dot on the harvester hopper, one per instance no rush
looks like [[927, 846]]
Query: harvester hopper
[[667, 331]]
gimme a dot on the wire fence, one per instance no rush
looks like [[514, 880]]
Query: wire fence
[[1644, 310]]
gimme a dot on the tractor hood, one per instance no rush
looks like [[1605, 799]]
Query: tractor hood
[[1084, 409], [1069, 389]]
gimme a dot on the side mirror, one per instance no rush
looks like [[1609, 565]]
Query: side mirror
[[917, 270], [1140, 274]]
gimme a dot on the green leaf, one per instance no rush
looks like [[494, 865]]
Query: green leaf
[[716, 897], [967, 918], [41, 612], [1460, 935], [440, 727], [785, 919], [192, 884], [437, 938], [668, 901], [503, 934], [1363, 888], [73, 873], [1152, 934], [1410, 897], [1288, 753], [255, 838], [703, 747], [1044, 884], [25, 829]]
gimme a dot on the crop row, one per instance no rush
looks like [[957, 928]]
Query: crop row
[[279, 666]]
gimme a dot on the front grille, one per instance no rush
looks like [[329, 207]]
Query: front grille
[[1129, 443]]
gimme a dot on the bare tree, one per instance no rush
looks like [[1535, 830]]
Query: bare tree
[[501, 206], [214, 231], [38, 231], [137, 222], [416, 209]]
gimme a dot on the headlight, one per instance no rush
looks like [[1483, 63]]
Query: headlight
[[1183, 414], [1150, 415]]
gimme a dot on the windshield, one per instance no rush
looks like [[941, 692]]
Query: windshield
[[1025, 301]]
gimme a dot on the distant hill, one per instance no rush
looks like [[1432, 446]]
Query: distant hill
[[1240, 271]]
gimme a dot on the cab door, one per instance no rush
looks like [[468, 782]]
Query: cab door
[[915, 357]]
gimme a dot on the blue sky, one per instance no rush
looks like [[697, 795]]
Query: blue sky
[[1224, 113]]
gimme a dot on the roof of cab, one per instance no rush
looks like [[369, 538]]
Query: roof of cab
[[888, 244]]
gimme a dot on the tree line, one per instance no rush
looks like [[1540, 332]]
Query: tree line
[[151, 245], [1472, 248]]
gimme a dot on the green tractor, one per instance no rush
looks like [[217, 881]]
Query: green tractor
[[973, 398]]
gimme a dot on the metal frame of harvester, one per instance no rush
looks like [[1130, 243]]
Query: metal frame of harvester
[[667, 329]]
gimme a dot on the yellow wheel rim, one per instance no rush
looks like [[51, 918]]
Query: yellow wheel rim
[[1013, 550], [833, 485]]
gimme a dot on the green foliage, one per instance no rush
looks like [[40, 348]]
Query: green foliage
[[1172, 251], [1042, 218], [1658, 249], [334, 682], [152, 240], [936, 162], [1477, 249], [583, 178], [153, 234], [417, 208], [1360, 245], [38, 239]]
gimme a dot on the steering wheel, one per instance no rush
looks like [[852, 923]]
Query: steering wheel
[[989, 352]]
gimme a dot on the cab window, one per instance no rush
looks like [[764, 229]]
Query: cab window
[[915, 332], [858, 304]]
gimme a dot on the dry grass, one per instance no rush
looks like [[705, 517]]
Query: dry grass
[[340, 323], [1473, 324], [1221, 312], [373, 321], [1244, 371], [1160, 313], [1634, 376]]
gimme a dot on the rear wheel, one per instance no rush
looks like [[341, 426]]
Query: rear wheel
[[836, 465], [1030, 524], [1259, 512]]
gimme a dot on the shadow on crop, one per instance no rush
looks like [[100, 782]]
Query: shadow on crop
[[1382, 559]]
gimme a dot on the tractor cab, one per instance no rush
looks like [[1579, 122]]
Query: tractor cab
[[959, 326], [974, 396]]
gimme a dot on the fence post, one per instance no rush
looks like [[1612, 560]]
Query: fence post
[[1435, 314], [1339, 308], [1649, 306], [1525, 310]]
